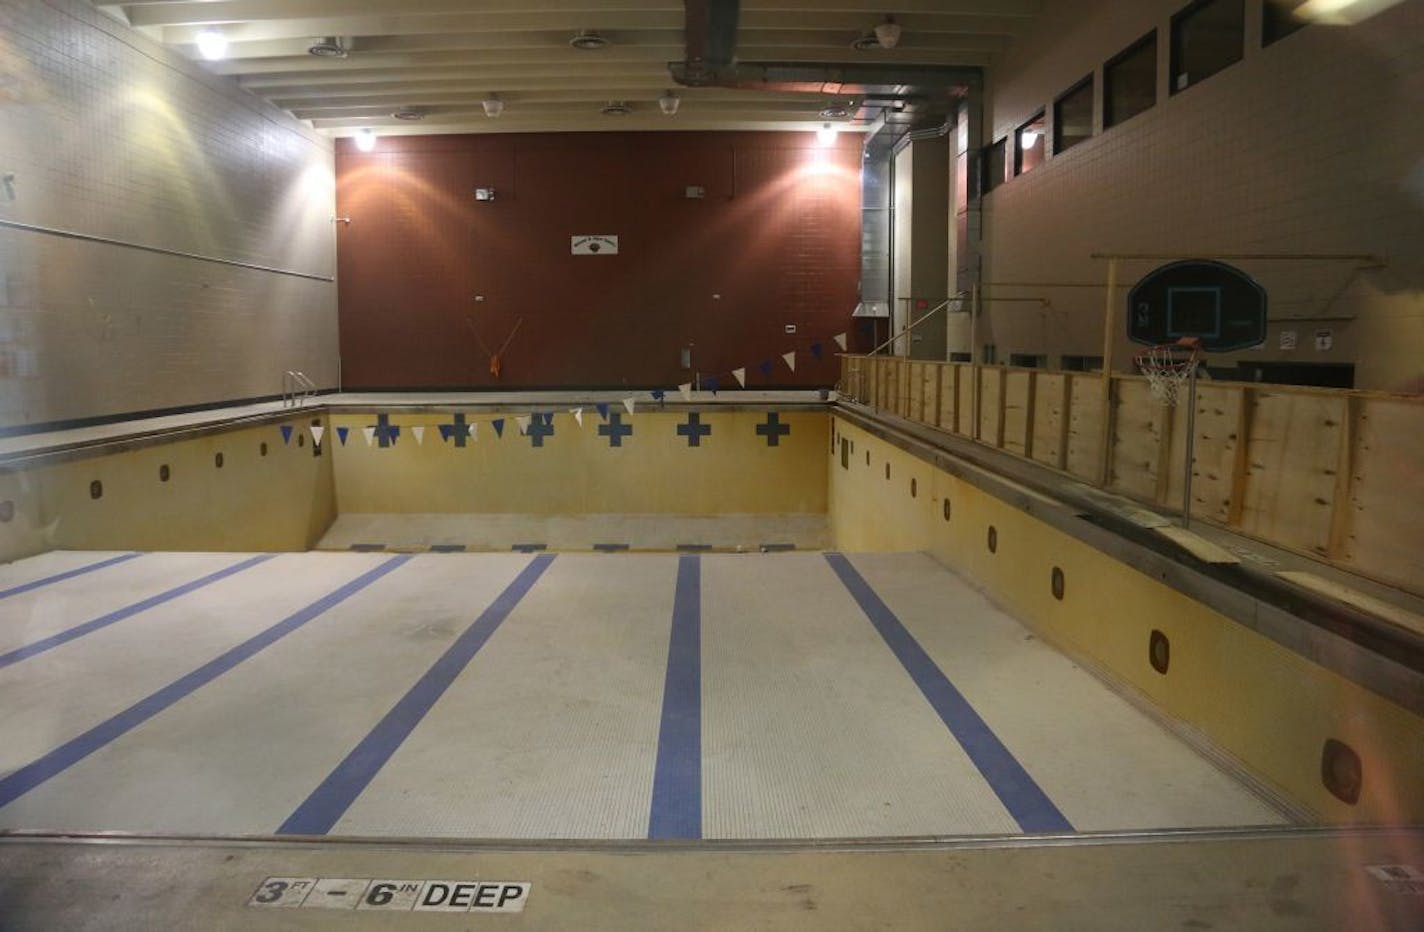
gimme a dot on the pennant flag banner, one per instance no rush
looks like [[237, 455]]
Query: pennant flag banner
[[629, 404], [840, 339], [419, 433], [342, 433], [765, 368], [475, 431], [286, 433], [523, 421], [659, 395], [317, 432], [790, 359], [686, 390], [498, 425], [741, 376], [816, 350], [370, 433], [602, 410], [712, 383], [578, 415]]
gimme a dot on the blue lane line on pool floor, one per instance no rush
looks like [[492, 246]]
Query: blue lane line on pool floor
[[320, 811], [128, 611], [67, 574], [1024, 799], [676, 810], [21, 781]]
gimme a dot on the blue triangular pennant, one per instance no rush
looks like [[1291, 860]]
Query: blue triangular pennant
[[711, 383], [445, 431], [658, 395], [341, 434], [602, 410], [765, 368], [816, 350], [286, 433], [498, 424]]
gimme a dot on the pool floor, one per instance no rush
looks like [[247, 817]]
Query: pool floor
[[572, 695]]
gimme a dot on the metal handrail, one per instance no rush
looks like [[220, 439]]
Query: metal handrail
[[296, 388]]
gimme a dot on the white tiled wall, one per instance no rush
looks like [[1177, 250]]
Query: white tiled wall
[[109, 135], [1314, 144]]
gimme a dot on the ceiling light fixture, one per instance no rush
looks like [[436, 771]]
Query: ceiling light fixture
[[327, 47], [1028, 138], [865, 43], [409, 114], [616, 108], [826, 135], [493, 106], [212, 44], [835, 111], [668, 103], [888, 33], [366, 139], [589, 41]]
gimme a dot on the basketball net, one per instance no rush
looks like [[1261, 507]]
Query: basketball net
[[1169, 366]]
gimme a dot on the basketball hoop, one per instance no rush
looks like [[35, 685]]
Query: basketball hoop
[[1170, 366]]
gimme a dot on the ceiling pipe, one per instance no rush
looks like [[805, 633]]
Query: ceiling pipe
[[710, 27]]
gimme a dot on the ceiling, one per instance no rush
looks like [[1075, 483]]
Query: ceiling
[[444, 57]]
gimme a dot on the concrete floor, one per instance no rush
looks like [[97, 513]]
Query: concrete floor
[[612, 696]]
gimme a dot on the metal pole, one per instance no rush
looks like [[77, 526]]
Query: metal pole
[[973, 360], [1191, 446]]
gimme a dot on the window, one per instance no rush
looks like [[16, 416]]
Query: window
[[1206, 37], [1130, 81], [1278, 20], [994, 161], [1082, 364], [1073, 116], [1028, 360], [1029, 144]]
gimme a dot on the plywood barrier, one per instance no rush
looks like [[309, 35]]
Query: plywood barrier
[[1321, 472], [1265, 705]]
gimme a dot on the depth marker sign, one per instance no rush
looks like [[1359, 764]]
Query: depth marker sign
[[446, 896], [595, 244]]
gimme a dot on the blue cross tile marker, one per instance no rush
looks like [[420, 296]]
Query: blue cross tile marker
[[773, 430], [286, 433], [694, 430], [540, 426], [386, 432], [615, 430], [458, 431], [342, 433]]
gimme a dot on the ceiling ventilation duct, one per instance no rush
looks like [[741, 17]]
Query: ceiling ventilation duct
[[327, 47], [616, 108], [409, 114]]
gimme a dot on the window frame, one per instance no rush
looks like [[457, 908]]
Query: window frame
[[1150, 40], [1175, 50], [1041, 118], [1058, 147]]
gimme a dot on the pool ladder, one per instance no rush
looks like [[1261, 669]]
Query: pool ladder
[[296, 388]]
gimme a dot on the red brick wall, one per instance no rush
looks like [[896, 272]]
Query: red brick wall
[[777, 237]]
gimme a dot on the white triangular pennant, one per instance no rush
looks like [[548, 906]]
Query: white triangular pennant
[[790, 359], [317, 432], [370, 433], [523, 421], [741, 376], [578, 415], [419, 434], [686, 389], [474, 431], [840, 339], [629, 403]]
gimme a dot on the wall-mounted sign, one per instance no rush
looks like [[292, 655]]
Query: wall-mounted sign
[[593, 245], [1287, 339], [1324, 339]]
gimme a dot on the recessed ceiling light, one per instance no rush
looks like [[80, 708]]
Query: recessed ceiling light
[[617, 108], [835, 112], [327, 47], [410, 114], [866, 43], [589, 41], [212, 44]]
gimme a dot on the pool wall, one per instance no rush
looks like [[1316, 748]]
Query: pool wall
[[1268, 707]]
